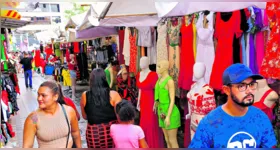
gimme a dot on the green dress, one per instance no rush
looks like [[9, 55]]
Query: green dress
[[162, 95], [108, 76]]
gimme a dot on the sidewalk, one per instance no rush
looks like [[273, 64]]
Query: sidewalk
[[27, 102]]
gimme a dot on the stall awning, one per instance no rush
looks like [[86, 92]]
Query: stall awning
[[12, 23], [13, 14]]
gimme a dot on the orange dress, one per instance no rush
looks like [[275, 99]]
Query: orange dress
[[271, 63], [133, 52]]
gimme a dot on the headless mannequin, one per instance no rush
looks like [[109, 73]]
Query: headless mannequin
[[110, 69], [170, 135], [73, 80], [270, 99], [144, 65], [199, 70]]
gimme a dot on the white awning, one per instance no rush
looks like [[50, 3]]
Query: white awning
[[165, 9]]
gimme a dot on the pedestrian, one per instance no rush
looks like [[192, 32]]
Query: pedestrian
[[134, 135], [54, 124], [27, 67], [236, 124], [97, 106]]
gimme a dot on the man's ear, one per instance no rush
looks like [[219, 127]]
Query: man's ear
[[226, 90]]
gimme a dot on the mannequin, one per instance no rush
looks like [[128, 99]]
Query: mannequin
[[168, 113], [265, 98], [201, 97], [109, 75], [73, 75], [146, 81], [144, 65]]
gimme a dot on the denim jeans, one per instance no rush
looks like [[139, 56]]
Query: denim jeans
[[28, 75]]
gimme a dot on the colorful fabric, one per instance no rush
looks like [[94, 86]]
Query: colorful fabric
[[98, 136], [271, 64]]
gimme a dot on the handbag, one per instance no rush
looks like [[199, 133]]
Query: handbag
[[65, 115]]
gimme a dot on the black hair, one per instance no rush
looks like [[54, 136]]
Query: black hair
[[56, 89], [126, 111], [99, 87]]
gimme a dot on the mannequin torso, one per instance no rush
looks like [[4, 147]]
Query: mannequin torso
[[143, 74], [270, 99], [200, 98], [265, 98]]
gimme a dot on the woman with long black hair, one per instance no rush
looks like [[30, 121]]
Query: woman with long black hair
[[97, 106], [54, 124]]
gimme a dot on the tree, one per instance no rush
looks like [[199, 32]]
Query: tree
[[77, 9]]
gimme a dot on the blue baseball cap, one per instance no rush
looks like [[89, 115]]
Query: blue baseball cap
[[237, 73]]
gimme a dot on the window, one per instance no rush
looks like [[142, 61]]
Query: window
[[54, 7], [44, 7], [56, 19]]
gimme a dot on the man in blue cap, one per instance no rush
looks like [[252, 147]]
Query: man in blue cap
[[236, 124]]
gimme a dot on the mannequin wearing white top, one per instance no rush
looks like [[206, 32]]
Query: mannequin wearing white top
[[201, 98], [145, 70], [199, 70]]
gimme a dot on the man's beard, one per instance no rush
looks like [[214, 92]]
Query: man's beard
[[242, 103]]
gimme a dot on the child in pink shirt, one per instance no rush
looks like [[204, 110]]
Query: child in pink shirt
[[126, 134]]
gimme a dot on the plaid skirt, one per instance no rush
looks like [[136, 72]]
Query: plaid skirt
[[98, 135]]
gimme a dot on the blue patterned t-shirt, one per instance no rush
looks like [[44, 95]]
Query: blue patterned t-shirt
[[220, 130]]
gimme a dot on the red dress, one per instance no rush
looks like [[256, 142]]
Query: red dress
[[261, 105], [187, 57], [37, 58], [224, 33], [271, 64], [133, 53], [148, 118]]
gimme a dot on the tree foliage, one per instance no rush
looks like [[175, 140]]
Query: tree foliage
[[77, 9]]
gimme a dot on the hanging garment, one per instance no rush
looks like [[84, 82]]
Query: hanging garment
[[37, 58], [265, 29], [259, 38], [3, 56], [252, 54], [82, 65], [133, 52], [201, 103], [66, 77], [4, 108], [173, 31], [126, 46], [148, 119], [57, 50], [205, 45], [271, 64], [76, 47], [121, 46], [152, 51], [244, 27], [186, 55], [144, 36], [226, 27], [162, 53]]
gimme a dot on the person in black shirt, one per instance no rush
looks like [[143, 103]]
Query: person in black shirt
[[27, 66]]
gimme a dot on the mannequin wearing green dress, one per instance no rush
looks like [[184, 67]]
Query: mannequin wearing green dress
[[109, 75], [168, 113]]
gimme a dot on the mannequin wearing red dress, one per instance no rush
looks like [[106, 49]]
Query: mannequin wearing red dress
[[265, 98], [146, 81]]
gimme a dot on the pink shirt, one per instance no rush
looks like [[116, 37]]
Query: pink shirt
[[126, 135]]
